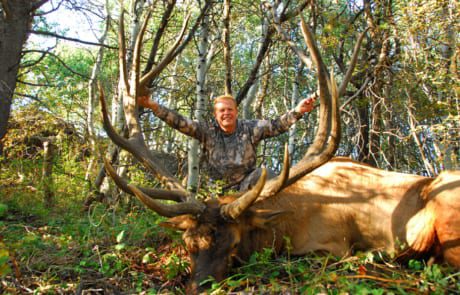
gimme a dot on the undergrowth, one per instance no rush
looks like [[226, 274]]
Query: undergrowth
[[122, 250], [126, 252]]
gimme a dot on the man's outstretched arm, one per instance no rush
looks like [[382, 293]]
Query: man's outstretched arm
[[172, 118], [270, 128]]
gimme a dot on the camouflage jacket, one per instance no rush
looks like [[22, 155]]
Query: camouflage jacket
[[230, 157]]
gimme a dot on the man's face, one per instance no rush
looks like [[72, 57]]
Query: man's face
[[226, 113]]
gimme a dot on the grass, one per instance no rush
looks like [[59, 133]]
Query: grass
[[66, 250], [127, 252], [110, 251]]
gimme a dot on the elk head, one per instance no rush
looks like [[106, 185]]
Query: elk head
[[216, 231]]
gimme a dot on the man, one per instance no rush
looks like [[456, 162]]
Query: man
[[229, 144]]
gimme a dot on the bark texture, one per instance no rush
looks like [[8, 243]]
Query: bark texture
[[15, 20]]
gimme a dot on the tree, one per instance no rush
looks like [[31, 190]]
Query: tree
[[15, 21]]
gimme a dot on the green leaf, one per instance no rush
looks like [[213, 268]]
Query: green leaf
[[120, 236], [146, 258], [120, 246], [3, 209]]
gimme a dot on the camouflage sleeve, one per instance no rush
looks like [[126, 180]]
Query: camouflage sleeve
[[269, 128], [180, 123]]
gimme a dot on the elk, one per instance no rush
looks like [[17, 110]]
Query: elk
[[320, 204]]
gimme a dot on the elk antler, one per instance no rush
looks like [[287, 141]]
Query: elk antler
[[235, 208], [328, 134], [135, 143], [159, 194]]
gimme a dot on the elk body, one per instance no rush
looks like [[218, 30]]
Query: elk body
[[341, 207], [320, 204]]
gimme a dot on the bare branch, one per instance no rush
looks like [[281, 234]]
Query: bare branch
[[352, 65], [6, 9], [169, 56], [35, 84], [50, 11], [265, 45], [32, 97], [38, 4], [55, 35], [161, 29], [175, 50], [44, 53], [263, 49]]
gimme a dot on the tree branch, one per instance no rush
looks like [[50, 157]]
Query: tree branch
[[35, 84], [37, 5], [6, 9], [33, 97], [161, 29], [55, 35], [56, 57]]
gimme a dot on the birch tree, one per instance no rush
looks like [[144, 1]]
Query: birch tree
[[200, 106]]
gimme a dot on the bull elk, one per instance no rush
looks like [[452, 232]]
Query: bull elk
[[321, 204]]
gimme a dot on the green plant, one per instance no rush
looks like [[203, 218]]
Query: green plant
[[4, 258], [174, 265]]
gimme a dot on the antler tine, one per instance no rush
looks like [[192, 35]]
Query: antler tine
[[275, 184], [135, 71], [159, 194], [316, 55], [328, 134], [190, 207], [122, 52], [327, 137], [170, 54], [136, 146], [324, 85], [235, 208]]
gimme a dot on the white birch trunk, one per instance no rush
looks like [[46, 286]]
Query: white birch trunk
[[193, 153]]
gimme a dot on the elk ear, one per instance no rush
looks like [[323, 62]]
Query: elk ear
[[266, 218], [181, 222]]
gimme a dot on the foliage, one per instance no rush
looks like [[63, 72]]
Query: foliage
[[125, 249], [66, 244], [365, 273]]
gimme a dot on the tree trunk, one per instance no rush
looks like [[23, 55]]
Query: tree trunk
[[381, 46], [15, 21], [92, 90], [193, 157], [227, 47], [412, 123], [363, 139]]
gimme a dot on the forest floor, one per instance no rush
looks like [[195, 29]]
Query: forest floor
[[66, 250]]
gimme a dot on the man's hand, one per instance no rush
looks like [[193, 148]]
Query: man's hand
[[306, 105], [146, 102]]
